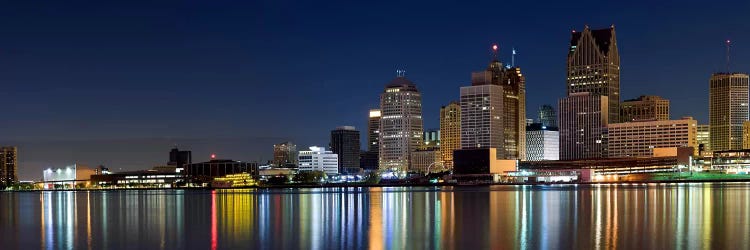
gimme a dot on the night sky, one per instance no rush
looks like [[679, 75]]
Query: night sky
[[120, 82]]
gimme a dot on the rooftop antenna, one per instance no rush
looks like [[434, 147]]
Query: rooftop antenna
[[400, 73], [495, 48], [513, 58], [729, 43]]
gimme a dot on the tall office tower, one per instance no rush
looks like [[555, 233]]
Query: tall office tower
[[373, 131], [639, 139], [318, 159], [728, 100], [285, 155], [583, 124], [547, 116], [481, 115], [594, 67], [542, 142], [746, 135], [450, 129], [704, 138], [514, 114], [400, 123], [345, 143], [644, 108], [8, 165], [180, 158]]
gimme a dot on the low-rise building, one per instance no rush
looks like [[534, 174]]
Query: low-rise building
[[542, 143], [638, 139], [319, 159], [67, 177], [205, 172], [427, 160]]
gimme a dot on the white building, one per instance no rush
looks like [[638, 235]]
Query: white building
[[318, 159], [542, 143]]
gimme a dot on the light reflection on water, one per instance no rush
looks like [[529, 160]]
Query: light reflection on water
[[693, 216]]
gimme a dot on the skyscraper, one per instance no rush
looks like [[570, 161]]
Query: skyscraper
[[481, 117], [583, 124], [179, 158], [704, 139], [400, 123], [514, 114], [285, 155], [8, 165], [644, 108], [594, 67], [728, 100], [547, 116], [450, 132], [373, 130], [345, 143]]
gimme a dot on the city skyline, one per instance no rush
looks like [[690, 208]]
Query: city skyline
[[126, 88]]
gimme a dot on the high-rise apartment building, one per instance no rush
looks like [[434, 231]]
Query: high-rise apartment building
[[542, 142], [373, 130], [644, 108], [319, 159], [703, 137], [285, 155], [639, 139], [728, 109], [400, 123], [583, 125], [345, 143], [450, 127], [594, 67], [547, 116], [8, 165]]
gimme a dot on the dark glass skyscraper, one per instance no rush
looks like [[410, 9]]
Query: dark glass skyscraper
[[345, 143], [594, 67], [179, 158], [547, 116], [8, 166]]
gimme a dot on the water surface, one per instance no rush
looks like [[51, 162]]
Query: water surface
[[694, 216]]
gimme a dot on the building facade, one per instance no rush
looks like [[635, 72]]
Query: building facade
[[547, 116], [400, 124], [746, 135], [639, 139], [179, 158], [450, 127], [431, 137], [8, 165], [423, 161], [704, 140], [373, 131], [481, 117], [319, 159], [583, 124], [728, 109], [594, 67], [644, 108], [542, 142], [345, 143], [207, 171], [285, 155], [514, 112]]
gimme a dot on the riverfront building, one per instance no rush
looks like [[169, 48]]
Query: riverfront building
[[8, 165], [728, 109], [285, 155], [639, 139], [583, 124], [319, 159], [400, 124], [542, 142], [644, 108], [345, 144]]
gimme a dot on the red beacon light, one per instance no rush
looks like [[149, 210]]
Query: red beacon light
[[213, 156]]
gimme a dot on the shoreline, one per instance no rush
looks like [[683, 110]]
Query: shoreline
[[305, 186]]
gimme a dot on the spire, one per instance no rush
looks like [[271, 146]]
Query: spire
[[400, 73], [495, 48]]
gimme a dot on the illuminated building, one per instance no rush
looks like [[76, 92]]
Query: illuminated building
[[542, 142], [424, 160], [158, 177], [514, 114], [644, 108], [431, 137], [345, 143], [179, 158], [732, 161], [547, 116], [728, 100], [285, 155], [373, 131], [318, 159], [703, 138], [450, 127], [481, 114], [583, 124], [639, 139], [67, 177], [204, 172], [746, 135], [8, 165], [400, 123], [594, 67], [234, 180]]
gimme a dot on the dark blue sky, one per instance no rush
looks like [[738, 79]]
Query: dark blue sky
[[120, 82]]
